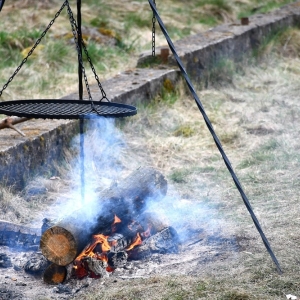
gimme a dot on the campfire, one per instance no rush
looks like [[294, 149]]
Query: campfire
[[127, 237], [107, 252], [121, 229]]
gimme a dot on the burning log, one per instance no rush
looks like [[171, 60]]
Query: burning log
[[165, 241], [55, 274], [117, 259], [61, 243]]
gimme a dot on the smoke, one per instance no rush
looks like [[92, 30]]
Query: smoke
[[104, 147], [188, 217], [103, 144]]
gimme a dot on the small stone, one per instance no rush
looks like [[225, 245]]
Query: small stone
[[5, 261], [17, 268], [21, 284]]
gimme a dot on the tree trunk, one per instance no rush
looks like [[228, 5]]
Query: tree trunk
[[61, 243]]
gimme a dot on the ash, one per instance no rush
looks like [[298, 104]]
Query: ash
[[16, 283]]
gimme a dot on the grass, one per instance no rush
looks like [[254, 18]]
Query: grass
[[261, 7], [131, 23], [256, 115]]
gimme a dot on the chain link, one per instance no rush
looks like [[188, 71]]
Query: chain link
[[75, 31], [33, 48], [153, 32], [74, 27]]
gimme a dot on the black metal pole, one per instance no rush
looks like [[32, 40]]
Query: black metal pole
[[215, 137], [80, 92], [1, 4], [80, 89], [82, 177]]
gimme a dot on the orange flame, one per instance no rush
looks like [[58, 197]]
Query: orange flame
[[99, 247], [117, 220], [97, 239], [137, 241]]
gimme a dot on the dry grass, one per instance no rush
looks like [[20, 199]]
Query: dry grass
[[53, 72], [257, 118]]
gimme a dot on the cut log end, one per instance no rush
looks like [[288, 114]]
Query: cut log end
[[55, 274], [58, 245]]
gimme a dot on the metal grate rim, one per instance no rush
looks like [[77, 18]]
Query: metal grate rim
[[65, 109]]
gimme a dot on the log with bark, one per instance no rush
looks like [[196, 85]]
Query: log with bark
[[16, 235], [61, 243]]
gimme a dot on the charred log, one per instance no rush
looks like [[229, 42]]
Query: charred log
[[98, 267], [165, 241], [36, 264], [119, 242], [63, 242], [117, 259], [15, 235]]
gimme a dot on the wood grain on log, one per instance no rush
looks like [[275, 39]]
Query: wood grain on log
[[61, 243]]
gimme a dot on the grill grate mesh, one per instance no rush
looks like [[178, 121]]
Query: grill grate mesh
[[65, 109]]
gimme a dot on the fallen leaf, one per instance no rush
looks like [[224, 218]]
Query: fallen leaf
[[35, 53]]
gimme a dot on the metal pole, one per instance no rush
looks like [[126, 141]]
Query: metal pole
[[82, 177], [80, 92], [80, 49]]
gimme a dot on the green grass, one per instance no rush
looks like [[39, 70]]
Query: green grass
[[58, 52], [222, 72], [262, 7], [221, 4], [132, 19], [179, 176], [208, 20]]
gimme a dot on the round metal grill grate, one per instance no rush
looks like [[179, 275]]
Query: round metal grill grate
[[65, 109]]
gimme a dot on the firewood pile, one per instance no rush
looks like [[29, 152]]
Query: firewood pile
[[121, 230]]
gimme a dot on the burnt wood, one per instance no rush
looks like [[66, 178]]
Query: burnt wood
[[165, 241], [117, 259], [36, 264], [119, 242], [61, 243], [15, 235]]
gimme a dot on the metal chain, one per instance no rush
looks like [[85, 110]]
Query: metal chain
[[74, 27], [33, 48], [153, 32], [73, 23]]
